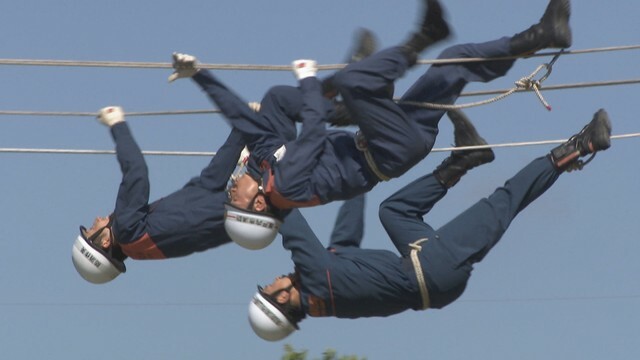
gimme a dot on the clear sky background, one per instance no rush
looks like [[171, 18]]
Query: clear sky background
[[562, 283]]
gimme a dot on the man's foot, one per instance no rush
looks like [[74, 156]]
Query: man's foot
[[553, 30], [433, 28], [434, 25], [461, 161], [594, 137], [365, 44]]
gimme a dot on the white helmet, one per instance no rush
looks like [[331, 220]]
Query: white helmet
[[94, 264], [267, 321], [250, 229]]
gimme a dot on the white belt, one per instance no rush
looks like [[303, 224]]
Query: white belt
[[424, 293]]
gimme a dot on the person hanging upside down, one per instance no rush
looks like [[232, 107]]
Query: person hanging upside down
[[434, 266], [320, 165], [186, 221]]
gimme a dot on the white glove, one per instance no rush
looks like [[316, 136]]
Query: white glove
[[255, 106], [111, 115], [185, 66], [244, 157], [303, 69]]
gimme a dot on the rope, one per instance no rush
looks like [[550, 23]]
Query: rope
[[525, 83], [541, 54], [415, 260], [202, 153], [215, 111], [94, 114], [166, 65]]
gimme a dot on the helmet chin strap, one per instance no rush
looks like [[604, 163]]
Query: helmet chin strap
[[94, 238]]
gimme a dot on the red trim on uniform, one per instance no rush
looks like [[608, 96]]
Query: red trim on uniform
[[142, 249], [333, 303], [281, 202]]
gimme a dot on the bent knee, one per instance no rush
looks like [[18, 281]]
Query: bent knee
[[387, 211]]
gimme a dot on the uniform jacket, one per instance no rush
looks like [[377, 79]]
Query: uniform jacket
[[186, 221]]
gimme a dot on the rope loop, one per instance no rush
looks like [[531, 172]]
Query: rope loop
[[525, 83]]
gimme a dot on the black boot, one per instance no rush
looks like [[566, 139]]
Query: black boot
[[340, 116], [432, 29], [552, 31], [595, 136], [365, 45], [460, 161]]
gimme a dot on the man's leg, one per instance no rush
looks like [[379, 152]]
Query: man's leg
[[467, 239], [442, 84], [402, 213], [474, 232], [367, 90], [349, 225], [448, 257]]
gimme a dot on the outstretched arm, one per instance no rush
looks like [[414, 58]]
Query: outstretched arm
[[307, 252], [298, 159], [230, 104], [216, 175], [133, 194]]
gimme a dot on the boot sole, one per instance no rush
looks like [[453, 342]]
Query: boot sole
[[601, 139], [467, 135], [464, 132]]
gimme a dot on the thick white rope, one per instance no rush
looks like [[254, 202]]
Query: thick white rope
[[204, 153]]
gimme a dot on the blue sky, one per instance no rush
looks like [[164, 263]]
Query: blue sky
[[562, 283]]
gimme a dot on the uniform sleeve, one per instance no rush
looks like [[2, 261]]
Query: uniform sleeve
[[257, 133], [307, 252], [309, 145], [216, 175], [132, 202], [228, 102], [349, 226]]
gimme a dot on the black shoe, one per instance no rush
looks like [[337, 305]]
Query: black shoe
[[365, 45], [594, 137], [461, 161], [433, 28], [552, 31]]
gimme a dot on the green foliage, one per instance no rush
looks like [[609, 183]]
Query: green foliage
[[291, 354]]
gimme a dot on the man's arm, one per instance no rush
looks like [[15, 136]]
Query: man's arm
[[307, 252], [230, 104], [310, 142], [216, 175], [133, 195]]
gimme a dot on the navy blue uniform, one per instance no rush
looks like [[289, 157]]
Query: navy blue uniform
[[346, 281], [188, 220], [323, 165]]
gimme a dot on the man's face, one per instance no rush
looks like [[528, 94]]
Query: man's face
[[104, 238], [279, 283], [243, 191], [98, 224]]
